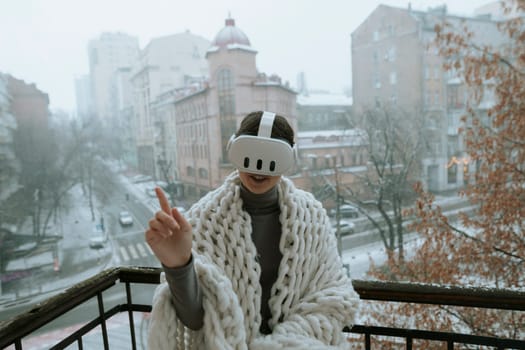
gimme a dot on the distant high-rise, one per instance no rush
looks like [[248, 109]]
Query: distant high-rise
[[166, 63], [302, 86], [107, 54], [83, 97]]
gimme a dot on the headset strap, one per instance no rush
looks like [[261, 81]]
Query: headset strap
[[266, 124]]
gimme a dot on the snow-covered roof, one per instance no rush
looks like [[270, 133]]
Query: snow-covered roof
[[328, 133], [330, 138], [324, 100], [230, 34], [213, 49]]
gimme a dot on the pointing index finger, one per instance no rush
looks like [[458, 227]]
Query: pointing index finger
[[163, 201]]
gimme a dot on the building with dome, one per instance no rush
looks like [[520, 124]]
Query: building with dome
[[194, 123]]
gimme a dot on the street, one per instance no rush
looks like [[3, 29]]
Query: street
[[125, 246]]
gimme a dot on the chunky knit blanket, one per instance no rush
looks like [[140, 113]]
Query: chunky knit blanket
[[311, 301]]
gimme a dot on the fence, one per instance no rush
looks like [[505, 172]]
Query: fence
[[13, 332]]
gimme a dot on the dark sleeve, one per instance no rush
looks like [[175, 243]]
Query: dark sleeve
[[187, 296]]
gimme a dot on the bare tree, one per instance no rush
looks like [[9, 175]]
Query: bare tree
[[487, 247], [395, 147]]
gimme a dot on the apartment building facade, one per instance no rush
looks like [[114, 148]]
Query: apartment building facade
[[331, 149], [167, 63], [395, 64], [9, 165]]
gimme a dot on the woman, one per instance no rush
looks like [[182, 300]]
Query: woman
[[255, 265]]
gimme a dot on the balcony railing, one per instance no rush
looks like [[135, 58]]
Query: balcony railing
[[15, 331]]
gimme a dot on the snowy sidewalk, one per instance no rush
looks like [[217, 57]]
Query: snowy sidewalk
[[76, 260]]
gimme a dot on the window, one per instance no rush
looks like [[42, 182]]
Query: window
[[453, 100], [196, 54], [393, 78], [226, 92], [377, 102], [327, 161], [437, 72], [452, 174], [376, 35], [391, 54], [225, 89], [203, 173], [393, 98], [452, 146], [377, 80]]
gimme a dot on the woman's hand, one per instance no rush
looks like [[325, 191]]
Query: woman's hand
[[169, 234]]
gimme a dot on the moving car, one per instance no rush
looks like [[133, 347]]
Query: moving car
[[98, 237], [125, 218]]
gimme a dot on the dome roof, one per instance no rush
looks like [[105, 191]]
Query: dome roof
[[230, 34]]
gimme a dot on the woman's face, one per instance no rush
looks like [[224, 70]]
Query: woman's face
[[258, 184]]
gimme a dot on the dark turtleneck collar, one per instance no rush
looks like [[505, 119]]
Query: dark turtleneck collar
[[264, 203]]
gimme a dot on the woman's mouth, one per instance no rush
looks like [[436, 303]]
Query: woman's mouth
[[258, 178]]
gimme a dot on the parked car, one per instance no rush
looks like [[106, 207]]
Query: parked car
[[346, 227], [345, 211], [98, 237], [125, 218]]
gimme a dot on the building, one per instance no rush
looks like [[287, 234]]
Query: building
[[331, 150], [396, 65], [9, 165], [167, 63], [30, 108], [330, 158], [494, 10], [83, 97], [125, 122], [107, 54], [204, 116], [324, 111]]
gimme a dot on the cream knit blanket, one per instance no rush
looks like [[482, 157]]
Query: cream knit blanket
[[311, 300]]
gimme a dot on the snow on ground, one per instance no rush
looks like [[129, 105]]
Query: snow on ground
[[358, 259]]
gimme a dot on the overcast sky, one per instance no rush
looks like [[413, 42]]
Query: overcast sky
[[45, 41]]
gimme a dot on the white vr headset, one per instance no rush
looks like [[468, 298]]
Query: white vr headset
[[261, 154]]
